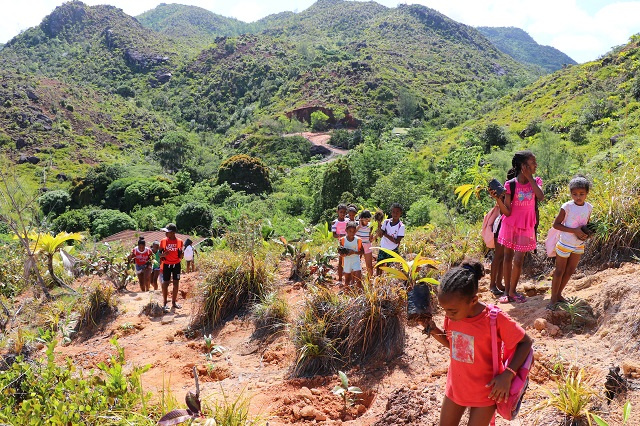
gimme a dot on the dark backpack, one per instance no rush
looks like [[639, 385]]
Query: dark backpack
[[512, 188]]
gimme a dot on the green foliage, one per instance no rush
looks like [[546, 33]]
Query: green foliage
[[245, 173], [319, 121], [72, 221], [173, 150], [108, 222], [344, 391], [572, 396], [54, 202], [270, 314], [419, 213], [335, 181], [494, 136], [194, 217], [626, 414], [405, 185], [91, 189], [64, 394]]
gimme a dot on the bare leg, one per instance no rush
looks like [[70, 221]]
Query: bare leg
[[481, 416], [174, 294], [558, 274], [154, 278], [165, 292], [347, 279], [572, 264], [450, 413], [141, 280], [497, 267], [506, 270], [518, 259], [147, 279], [340, 262], [368, 260]]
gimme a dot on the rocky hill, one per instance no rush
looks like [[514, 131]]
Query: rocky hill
[[518, 44]]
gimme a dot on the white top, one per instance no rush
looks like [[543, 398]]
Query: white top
[[395, 231], [351, 245], [188, 252], [575, 217]]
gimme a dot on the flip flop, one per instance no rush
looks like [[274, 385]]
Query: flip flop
[[519, 298], [496, 291], [551, 307], [505, 299]]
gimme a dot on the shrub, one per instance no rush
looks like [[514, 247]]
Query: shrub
[[194, 217], [108, 222], [335, 181], [173, 150], [126, 91], [231, 281], [54, 202], [95, 303], [72, 221], [533, 128], [245, 173], [341, 138], [270, 315], [494, 135], [91, 188], [319, 121], [419, 213], [578, 135]]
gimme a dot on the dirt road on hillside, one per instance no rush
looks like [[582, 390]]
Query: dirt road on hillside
[[322, 140]]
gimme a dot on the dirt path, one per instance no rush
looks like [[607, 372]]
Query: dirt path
[[322, 140], [408, 390]]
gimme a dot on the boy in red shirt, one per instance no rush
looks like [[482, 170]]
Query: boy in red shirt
[[171, 252]]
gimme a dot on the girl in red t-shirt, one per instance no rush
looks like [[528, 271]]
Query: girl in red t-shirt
[[143, 257], [467, 333]]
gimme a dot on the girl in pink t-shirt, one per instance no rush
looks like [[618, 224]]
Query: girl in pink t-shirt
[[467, 334], [517, 229]]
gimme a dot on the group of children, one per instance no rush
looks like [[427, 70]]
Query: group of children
[[516, 226], [164, 257], [355, 237]]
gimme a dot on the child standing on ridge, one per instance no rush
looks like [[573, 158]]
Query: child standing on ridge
[[339, 229], [364, 233], [171, 253], [573, 216], [390, 233], [143, 257], [155, 248], [189, 255], [518, 226], [467, 334], [350, 251]]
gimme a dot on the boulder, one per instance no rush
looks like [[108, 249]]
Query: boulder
[[308, 412], [62, 177], [304, 392], [21, 143], [58, 145], [32, 95], [32, 159], [540, 324]]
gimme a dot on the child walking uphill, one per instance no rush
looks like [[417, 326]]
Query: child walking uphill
[[573, 216], [339, 229], [350, 251], [518, 227], [467, 334], [364, 233], [390, 233]]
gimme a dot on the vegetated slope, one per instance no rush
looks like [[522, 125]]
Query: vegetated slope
[[588, 103], [518, 44], [354, 58], [98, 44], [190, 21]]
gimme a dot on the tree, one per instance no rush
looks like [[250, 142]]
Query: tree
[[91, 188], [194, 217], [49, 245], [319, 121], [494, 135], [54, 202], [108, 222], [245, 173], [72, 221], [335, 181], [173, 150], [407, 106]]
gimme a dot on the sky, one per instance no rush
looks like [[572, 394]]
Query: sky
[[583, 29]]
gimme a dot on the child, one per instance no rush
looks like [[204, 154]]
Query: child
[[338, 227], [517, 230], [171, 253], [364, 233], [573, 216], [495, 286], [351, 250], [155, 248], [390, 233], [352, 211], [189, 253], [143, 258], [467, 334]]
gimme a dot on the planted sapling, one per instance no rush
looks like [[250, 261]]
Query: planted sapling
[[344, 391]]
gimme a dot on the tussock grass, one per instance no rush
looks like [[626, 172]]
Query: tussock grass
[[95, 303], [231, 282], [377, 315], [337, 329], [270, 315]]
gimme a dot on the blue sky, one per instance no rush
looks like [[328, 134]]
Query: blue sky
[[584, 29]]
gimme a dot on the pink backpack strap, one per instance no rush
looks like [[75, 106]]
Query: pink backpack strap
[[493, 320]]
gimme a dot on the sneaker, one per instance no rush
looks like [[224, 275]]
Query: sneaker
[[165, 309], [176, 306]]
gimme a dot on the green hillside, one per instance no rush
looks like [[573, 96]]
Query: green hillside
[[518, 44], [190, 22]]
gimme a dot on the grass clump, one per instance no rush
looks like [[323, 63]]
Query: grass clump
[[572, 397], [231, 282], [270, 314], [94, 304], [377, 316]]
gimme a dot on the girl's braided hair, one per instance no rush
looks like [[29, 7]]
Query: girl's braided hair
[[462, 279], [519, 158]]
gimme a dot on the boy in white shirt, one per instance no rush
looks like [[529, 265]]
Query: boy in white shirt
[[390, 233]]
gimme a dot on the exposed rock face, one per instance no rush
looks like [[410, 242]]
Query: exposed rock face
[[32, 159], [141, 61], [66, 15]]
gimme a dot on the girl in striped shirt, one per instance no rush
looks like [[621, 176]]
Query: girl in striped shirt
[[364, 233]]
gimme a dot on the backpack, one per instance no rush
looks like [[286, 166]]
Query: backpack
[[552, 239], [508, 410], [512, 188], [487, 227]]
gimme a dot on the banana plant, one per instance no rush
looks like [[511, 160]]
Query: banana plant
[[49, 245], [410, 268]]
